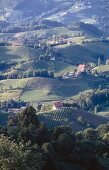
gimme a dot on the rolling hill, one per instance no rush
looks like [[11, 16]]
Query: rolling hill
[[65, 11], [45, 89], [82, 22], [86, 17]]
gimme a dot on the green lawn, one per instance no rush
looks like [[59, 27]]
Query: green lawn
[[17, 53], [104, 112], [102, 68]]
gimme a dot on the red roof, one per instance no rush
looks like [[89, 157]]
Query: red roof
[[81, 67], [58, 104]]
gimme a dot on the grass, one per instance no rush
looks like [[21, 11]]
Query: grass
[[34, 95], [8, 95], [84, 53], [34, 89], [38, 89], [17, 53], [45, 89], [15, 83], [102, 68], [104, 112]]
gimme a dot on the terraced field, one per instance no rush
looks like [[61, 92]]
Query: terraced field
[[69, 117]]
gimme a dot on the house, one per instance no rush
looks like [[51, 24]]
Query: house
[[107, 62], [53, 58], [81, 68], [69, 42], [57, 105]]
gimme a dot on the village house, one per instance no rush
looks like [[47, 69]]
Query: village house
[[57, 105], [81, 67], [107, 62], [53, 58]]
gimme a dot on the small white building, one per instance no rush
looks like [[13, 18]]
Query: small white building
[[107, 62]]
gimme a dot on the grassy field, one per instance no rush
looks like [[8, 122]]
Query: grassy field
[[35, 89], [88, 52], [44, 89], [17, 53], [102, 68], [104, 112]]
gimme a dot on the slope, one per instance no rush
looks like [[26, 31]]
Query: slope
[[69, 117]]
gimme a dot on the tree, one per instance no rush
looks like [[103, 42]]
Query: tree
[[102, 129], [19, 157], [81, 120], [61, 130], [25, 126], [65, 143], [27, 117], [90, 134], [99, 61], [106, 138]]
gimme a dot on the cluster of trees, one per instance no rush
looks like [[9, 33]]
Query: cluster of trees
[[27, 144], [12, 104], [6, 65], [49, 52], [27, 74], [31, 25], [31, 73], [20, 28], [97, 98]]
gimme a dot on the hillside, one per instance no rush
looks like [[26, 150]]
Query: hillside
[[58, 9], [69, 117], [73, 29], [45, 89]]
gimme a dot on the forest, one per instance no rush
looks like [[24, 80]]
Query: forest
[[26, 144]]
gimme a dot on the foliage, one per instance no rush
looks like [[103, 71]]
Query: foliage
[[27, 144], [17, 157]]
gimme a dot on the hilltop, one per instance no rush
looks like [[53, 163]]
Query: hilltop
[[87, 17]]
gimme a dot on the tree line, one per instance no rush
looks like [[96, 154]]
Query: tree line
[[27, 74]]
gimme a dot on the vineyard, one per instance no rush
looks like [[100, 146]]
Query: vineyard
[[69, 117]]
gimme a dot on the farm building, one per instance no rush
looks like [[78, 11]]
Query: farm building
[[81, 68], [57, 105], [107, 62]]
